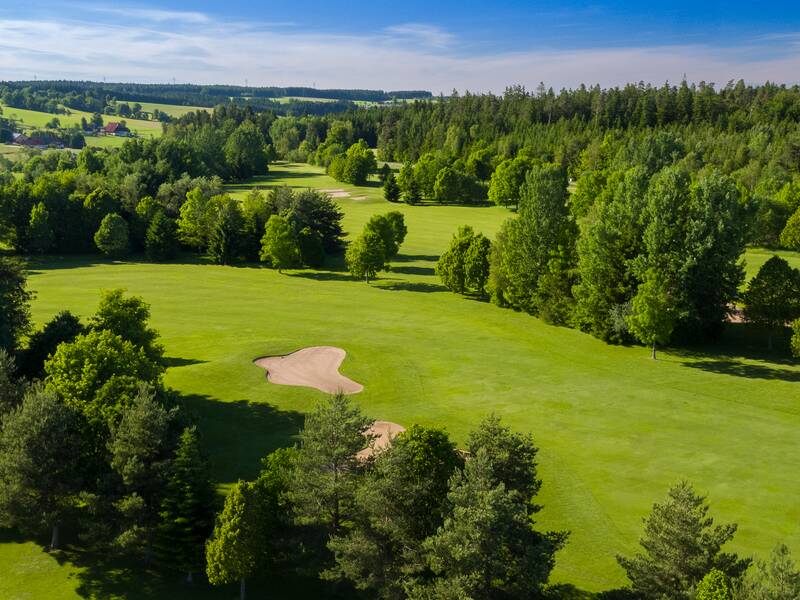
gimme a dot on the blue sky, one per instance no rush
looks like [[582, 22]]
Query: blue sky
[[480, 46]]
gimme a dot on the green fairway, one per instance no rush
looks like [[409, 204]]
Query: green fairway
[[615, 428]]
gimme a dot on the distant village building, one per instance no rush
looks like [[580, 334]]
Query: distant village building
[[40, 141], [117, 129]]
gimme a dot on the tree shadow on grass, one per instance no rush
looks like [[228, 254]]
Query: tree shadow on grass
[[238, 434], [173, 362], [410, 286], [414, 270], [323, 275], [415, 258], [742, 369], [742, 352]]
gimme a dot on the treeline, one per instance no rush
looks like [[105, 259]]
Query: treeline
[[656, 256], [511, 121], [61, 198], [53, 96], [188, 94]]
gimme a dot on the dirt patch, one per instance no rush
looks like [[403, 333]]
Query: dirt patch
[[384, 432], [316, 367]]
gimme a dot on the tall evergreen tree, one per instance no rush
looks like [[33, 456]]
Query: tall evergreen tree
[[139, 448], [772, 298], [400, 502], [391, 191], [324, 483], [223, 243], [681, 544], [161, 239], [186, 517], [486, 547]]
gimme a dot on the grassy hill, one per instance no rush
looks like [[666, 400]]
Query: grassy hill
[[173, 110], [615, 428], [33, 119]]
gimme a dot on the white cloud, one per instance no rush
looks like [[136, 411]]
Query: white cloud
[[420, 33], [157, 47], [147, 14]]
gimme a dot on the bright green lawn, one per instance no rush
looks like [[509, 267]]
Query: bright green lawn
[[615, 428]]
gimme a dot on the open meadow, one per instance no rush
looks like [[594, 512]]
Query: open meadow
[[33, 119], [615, 429], [173, 110]]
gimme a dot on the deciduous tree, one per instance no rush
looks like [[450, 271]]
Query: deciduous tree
[[234, 551], [111, 237], [653, 311], [279, 246], [15, 315], [40, 470], [366, 255]]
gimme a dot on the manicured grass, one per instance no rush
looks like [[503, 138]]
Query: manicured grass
[[615, 428]]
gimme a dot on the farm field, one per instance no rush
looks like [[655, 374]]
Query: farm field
[[173, 110], [615, 429], [38, 119]]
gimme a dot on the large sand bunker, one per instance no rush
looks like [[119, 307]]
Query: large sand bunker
[[315, 367], [383, 432]]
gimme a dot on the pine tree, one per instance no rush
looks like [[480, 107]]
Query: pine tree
[[223, 243], [161, 239], [391, 191], [681, 545], [323, 484], [186, 516]]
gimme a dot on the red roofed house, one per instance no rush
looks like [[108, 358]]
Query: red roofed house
[[117, 129]]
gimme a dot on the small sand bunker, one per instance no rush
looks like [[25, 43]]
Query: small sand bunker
[[385, 432], [337, 193], [316, 367]]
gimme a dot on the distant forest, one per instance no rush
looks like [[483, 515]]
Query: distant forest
[[92, 96]]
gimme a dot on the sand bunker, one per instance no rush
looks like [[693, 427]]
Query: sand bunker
[[385, 431], [316, 367], [337, 193]]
